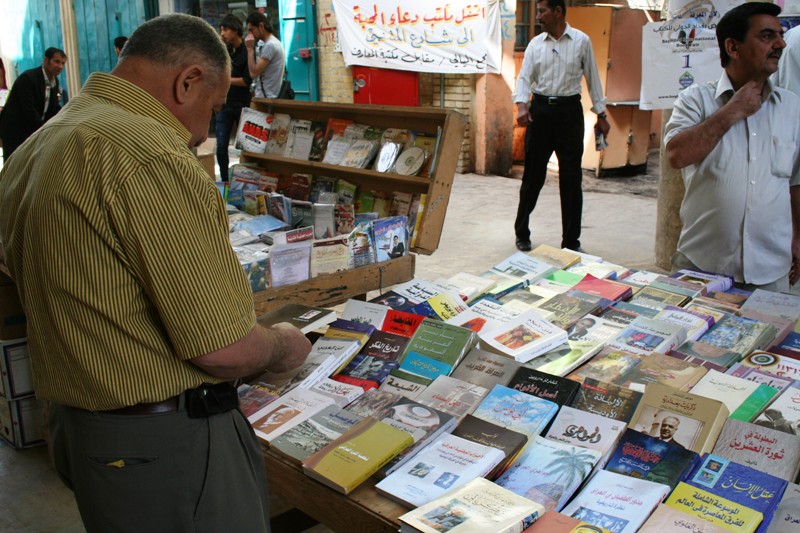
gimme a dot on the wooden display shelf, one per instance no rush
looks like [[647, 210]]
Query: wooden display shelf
[[361, 510], [423, 120], [332, 289]]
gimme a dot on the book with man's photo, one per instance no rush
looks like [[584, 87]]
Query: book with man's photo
[[391, 237]]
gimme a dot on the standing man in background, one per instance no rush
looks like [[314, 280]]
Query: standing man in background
[[555, 60], [788, 75], [267, 68], [139, 314], [231, 31], [737, 144], [34, 99]]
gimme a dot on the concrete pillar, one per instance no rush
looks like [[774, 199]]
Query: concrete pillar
[[70, 34], [670, 196]]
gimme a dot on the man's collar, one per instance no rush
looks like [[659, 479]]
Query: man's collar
[[133, 99], [725, 85], [569, 31]]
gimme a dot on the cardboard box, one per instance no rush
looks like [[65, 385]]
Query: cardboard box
[[22, 422], [12, 317], [16, 376]]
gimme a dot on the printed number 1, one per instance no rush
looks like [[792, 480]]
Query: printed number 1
[[686, 63]]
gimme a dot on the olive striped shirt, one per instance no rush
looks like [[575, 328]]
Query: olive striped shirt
[[117, 241]]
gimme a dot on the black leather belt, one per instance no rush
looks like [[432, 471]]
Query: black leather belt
[[556, 100], [204, 401]]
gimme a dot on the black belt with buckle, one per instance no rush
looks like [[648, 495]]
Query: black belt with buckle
[[204, 401], [556, 100]]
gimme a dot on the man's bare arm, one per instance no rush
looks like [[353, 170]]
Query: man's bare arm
[[693, 144], [255, 65], [279, 348]]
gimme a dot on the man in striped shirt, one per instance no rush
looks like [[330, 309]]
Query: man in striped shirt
[[139, 313], [551, 72]]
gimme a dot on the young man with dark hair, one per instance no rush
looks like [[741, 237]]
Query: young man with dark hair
[[119, 44], [34, 99], [267, 68], [551, 72], [737, 143], [231, 31]]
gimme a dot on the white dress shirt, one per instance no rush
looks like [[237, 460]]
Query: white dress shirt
[[788, 74], [554, 68], [736, 211]]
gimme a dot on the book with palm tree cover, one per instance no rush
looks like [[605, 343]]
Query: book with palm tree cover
[[549, 472]]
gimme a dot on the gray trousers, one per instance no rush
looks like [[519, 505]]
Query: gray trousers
[[162, 472]]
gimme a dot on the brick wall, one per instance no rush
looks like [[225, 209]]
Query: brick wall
[[336, 82]]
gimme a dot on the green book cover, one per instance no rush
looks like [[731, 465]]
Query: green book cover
[[564, 277], [755, 403], [441, 342]]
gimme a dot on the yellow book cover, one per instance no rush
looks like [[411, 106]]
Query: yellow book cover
[[351, 459], [556, 256], [712, 508]]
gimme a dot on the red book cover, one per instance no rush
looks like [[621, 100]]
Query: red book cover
[[604, 288], [365, 384], [401, 323]]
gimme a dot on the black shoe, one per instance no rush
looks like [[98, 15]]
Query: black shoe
[[523, 246]]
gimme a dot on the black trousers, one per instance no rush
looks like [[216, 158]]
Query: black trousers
[[559, 129]]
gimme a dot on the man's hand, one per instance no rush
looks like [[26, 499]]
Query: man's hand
[[748, 99], [603, 125], [294, 348], [523, 115], [250, 41]]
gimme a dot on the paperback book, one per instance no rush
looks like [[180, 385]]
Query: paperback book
[[510, 442], [645, 457], [761, 448], [453, 396], [313, 434], [525, 337], [286, 412], [485, 369], [710, 507], [607, 399], [585, 429], [516, 410], [547, 386], [306, 318]]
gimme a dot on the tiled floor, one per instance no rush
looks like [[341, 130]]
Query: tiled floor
[[477, 234]]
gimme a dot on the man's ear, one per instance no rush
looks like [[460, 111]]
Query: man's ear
[[188, 83], [732, 47]]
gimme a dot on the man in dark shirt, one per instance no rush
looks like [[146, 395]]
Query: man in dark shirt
[[34, 99], [230, 29]]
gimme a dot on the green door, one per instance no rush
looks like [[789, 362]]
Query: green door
[[298, 35]]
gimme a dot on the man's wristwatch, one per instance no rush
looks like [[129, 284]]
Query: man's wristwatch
[[602, 115]]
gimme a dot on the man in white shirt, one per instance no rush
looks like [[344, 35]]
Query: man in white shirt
[[788, 75], [266, 69], [737, 142], [554, 63]]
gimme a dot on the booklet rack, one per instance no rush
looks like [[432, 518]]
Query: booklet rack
[[333, 289], [361, 510]]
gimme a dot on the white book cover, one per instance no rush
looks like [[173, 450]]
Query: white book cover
[[598, 270], [364, 312], [584, 256], [404, 387], [278, 133], [452, 396], [299, 145], [525, 337], [773, 303], [341, 393], [616, 502], [253, 131], [730, 390], [787, 515], [711, 282], [694, 325], [641, 277], [417, 290], [289, 263], [471, 286], [287, 411], [336, 149], [548, 472], [446, 464], [327, 354], [784, 413], [523, 266], [480, 506], [589, 430], [647, 335], [485, 315]]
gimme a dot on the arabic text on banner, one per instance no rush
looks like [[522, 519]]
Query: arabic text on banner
[[456, 36]]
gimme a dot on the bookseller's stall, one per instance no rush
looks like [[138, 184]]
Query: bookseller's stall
[[382, 151]]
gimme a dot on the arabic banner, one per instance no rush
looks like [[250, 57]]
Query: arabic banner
[[681, 51], [439, 36]]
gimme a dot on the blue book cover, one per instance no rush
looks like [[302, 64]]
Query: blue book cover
[[391, 237], [516, 410], [424, 366], [791, 342], [349, 325], [424, 309], [741, 484], [369, 367], [644, 457]]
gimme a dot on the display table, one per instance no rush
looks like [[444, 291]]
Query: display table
[[361, 510]]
